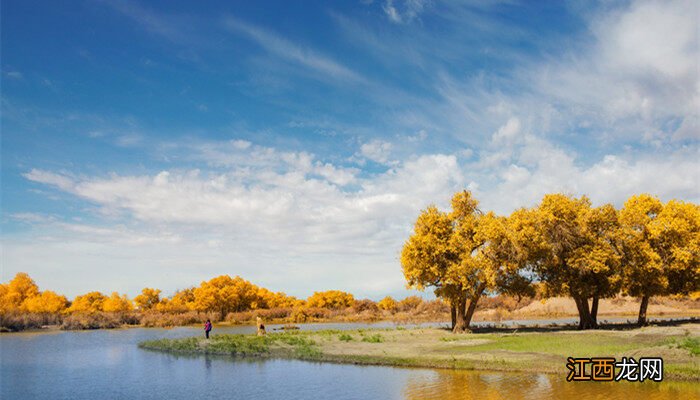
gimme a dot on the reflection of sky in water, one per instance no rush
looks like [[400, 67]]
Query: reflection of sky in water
[[108, 364]]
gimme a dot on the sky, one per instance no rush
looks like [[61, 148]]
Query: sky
[[294, 143]]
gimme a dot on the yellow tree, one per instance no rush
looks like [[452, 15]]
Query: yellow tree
[[181, 301], [117, 304], [572, 248], [332, 299], [184, 299], [88, 303], [47, 302], [460, 254], [503, 261], [472, 273], [267, 299], [661, 247], [676, 236], [148, 299], [4, 299], [388, 304], [20, 288], [598, 260], [224, 294], [428, 257]]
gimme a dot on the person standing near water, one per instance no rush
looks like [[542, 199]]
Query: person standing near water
[[207, 328]]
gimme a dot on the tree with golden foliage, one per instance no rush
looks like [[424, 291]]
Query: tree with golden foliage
[[88, 303], [268, 299], [428, 256], [148, 299], [224, 294], [661, 248], [573, 249], [182, 301], [331, 299], [117, 304], [387, 304], [47, 302], [462, 254], [15, 292]]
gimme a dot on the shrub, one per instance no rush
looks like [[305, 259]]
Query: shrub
[[96, 320], [433, 307], [271, 314], [15, 321], [299, 315], [388, 304], [161, 319], [365, 305], [410, 303]]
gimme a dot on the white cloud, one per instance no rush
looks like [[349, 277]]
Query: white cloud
[[652, 37], [289, 211], [640, 71], [376, 150], [296, 211], [537, 167], [336, 175], [50, 178], [508, 132]]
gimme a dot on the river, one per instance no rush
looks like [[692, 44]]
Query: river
[[107, 364]]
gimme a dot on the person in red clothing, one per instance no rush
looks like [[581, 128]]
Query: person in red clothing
[[207, 328]]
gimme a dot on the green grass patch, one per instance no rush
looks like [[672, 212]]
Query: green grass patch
[[175, 345], [376, 338], [692, 344], [580, 345], [301, 345], [345, 338]]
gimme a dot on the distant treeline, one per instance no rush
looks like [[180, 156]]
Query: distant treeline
[[564, 246], [236, 300]]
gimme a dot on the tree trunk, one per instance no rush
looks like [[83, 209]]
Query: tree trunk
[[642, 320], [594, 312], [584, 314], [472, 306], [453, 314], [580, 312], [460, 323]]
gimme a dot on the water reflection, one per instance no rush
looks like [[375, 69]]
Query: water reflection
[[108, 364], [501, 385]]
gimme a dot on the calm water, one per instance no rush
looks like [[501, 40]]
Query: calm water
[[108, 364]]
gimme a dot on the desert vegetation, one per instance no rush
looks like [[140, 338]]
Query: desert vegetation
[[222, 299], [564, 247]]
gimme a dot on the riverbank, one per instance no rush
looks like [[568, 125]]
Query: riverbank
[[491, 310], [539, 350]]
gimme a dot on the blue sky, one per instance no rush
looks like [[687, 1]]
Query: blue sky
[[294, 143]]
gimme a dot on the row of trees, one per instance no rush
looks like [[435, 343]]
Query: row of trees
[[569, 247], [221, 295]]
